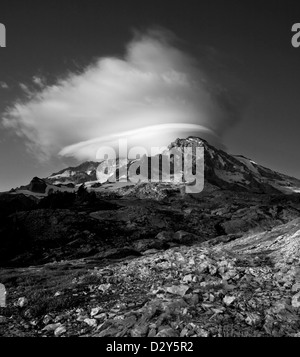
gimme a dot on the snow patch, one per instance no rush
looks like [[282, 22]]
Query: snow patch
[[66, 173], [249, 163]]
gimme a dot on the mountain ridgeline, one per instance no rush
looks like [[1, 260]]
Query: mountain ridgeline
[[233, 172]]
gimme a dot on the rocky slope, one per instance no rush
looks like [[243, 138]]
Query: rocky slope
[[76, 175], [237, 172], [249, 287], [71, 226]]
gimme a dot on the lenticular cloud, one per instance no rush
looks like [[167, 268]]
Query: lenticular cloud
[[152, 95]]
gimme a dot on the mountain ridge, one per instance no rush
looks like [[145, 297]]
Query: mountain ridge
[[221, 169]]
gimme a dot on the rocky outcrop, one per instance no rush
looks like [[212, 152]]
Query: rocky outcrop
[[37, 185]]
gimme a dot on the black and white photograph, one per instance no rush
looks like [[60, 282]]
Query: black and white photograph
[[149, 171]]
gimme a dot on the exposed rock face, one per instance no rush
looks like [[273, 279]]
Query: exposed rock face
[[37, 185]]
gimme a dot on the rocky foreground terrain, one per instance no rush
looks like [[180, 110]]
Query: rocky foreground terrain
[[247, 287], [151, 260]]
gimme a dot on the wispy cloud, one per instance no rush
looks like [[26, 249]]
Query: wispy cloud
[[39, 81], [155, 83], [25, 88]]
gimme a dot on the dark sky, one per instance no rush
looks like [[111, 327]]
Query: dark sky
[[247, 43]]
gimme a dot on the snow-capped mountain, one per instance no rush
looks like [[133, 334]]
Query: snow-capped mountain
[[75, 175], [232, 172], [90, 173], [238, 172]]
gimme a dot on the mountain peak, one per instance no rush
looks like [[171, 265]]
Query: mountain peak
[[225, 171], [189, 141]]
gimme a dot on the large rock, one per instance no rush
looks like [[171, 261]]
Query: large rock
[[146, 244], [37, 185], [167, 332], [183, 237], [177, 289], [296, 300], [165, 236]]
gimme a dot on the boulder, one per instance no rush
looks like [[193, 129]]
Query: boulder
[[165, 236], [183, 237], [296, 300], [146, 244], [167, 332]]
